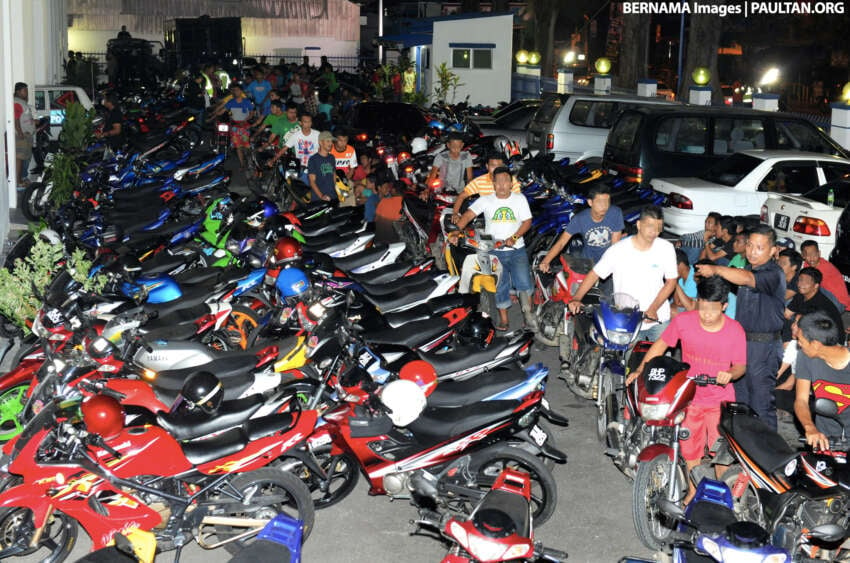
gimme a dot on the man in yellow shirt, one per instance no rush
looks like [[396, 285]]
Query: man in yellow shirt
[[482, 185]]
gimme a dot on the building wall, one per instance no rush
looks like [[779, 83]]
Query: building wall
[[484, 86]]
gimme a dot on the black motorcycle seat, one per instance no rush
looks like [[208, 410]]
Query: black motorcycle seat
[[163, 262], [128, 225], [384, 274], [762, 444], [432, 308], [198, 182], [173, 332], [334, 215], [710, 517], [437, 424], [330, 243], [147, 142], [475, 389], [210, 274], [224, 368], [501, 514], [266, 425], [464, 356], [322, 227], [135, 195], [186, 426], [141, 238], [185, 316], [358, 259], [402, 298], [419, 280], [410, 335], [226, 443]]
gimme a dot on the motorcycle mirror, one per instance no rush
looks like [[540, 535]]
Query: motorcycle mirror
[[671, 509], [826, 407], [828, 532]]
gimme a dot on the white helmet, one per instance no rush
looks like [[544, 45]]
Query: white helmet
[[418, 145], [405, 399], [50, 236]]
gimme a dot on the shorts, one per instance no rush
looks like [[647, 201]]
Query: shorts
[[239, 135], [702, 422], [23, 148]]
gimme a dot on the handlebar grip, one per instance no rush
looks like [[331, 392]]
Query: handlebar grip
[[117, 395], [550, 554]]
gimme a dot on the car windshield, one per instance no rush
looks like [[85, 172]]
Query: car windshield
[[731, 170]]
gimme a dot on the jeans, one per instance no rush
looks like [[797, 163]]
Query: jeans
[[516, 273], [757, 386]]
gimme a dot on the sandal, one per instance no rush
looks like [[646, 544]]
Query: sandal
[[501, 328]]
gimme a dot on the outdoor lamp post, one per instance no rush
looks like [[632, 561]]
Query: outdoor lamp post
[[521, 56], [840, 118], [764, 100], [602, 81], [534, 58], [700, 94]]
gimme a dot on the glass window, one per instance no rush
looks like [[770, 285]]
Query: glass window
[[624, 134], [482, 58], [834, 171], [732, 135], [840, 193], [803, 136], [548, 109], [460, 58], [682, 134], [731, 170], [790, 178], [40, 104]]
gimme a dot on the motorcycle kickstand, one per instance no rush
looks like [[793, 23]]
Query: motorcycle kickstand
[[177, 553]]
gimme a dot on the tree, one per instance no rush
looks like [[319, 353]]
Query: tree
[[544, 14], [634, 50], [703, 41]]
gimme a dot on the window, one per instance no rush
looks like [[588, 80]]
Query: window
[[472, 58], [732, 170], [803, 136], [624, 135], [732, 135], [834, 171], [840, 194], [460, 58], [790, 178], [591, 113], [682, 134], [40, 104]]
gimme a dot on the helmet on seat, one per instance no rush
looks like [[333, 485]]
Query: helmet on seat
[[286, 249], [405, 399], [292, 282], [203, 390], [421, 373], [418, 145], [103, 415], [477, 331]]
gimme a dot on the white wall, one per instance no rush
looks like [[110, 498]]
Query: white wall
[[487, 87]]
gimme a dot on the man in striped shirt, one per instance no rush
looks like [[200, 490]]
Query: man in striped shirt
[[482, 185]]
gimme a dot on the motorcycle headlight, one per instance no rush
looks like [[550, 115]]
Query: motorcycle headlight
[[316, 311], [38, 328], [223, 128], [232, 246], [654, 412], [618, 337], [710, 546]]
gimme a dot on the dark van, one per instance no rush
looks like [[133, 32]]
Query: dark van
[[658, 142]]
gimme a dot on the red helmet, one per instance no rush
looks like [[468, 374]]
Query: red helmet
[[286, 249], [421, 373], [103, 415]]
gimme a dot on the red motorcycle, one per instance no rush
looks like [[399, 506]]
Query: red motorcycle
[[552, 292], [498, 529], [77, 463]]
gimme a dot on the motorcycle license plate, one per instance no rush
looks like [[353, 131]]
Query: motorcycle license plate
[[319, 440], [538, 435]]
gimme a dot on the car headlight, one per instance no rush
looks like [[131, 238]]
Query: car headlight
[[654, 412]]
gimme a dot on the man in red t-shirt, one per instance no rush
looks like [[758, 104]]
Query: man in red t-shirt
[[833, 281], [715, 345]]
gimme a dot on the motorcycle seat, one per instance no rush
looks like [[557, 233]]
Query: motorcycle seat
[[186, 316], [410, 335], [403, 298], [324, 226], [210, 275], [358, 259], [501, 514], [462, 357], [186, 426], [266, 425], [192, 296], [163, 262], [332, 214], [141, 238], [328, 244], [173, 332], [226, 368], [383, 274], [762, 444], [711, 517], [419, 280], [134, 195], [431, 308], [198, 183], [437, 424], [475, 389], [226, 443]]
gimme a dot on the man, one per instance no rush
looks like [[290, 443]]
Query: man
[[833, 281], [345, 155], [259, 90], [715, 345], [321, 170], [112, 125], [693, 243], [453, 166], [304, 141], [482, 185], [810, 298], [760, 310], [123, 34], [685, 294], [722, 250], [196, 98], [287, 125], [824, 370], [643, 266], [273, 122], [24, 130], [791, 263], [241, 108], [600, 226], [507, 218]]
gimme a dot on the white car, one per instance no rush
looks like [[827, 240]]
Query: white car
[[808, 216], [741, 183]]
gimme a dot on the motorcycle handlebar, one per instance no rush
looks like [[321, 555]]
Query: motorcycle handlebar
[[549, 554], [704, 379]]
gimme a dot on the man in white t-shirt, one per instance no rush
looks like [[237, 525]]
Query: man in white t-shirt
[[643, 266], [507, 217]]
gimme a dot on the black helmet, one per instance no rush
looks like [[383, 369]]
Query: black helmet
[[204, 391], [478, 331]]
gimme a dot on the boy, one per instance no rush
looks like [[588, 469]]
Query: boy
[[453, 166]]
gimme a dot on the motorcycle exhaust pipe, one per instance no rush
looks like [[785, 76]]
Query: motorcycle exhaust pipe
[[255, 525]]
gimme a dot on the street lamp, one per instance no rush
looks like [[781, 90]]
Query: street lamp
[[602, 65], [521, 56], [770, 77], [534, 58], [701, 76], [570, 57], [845, 93]]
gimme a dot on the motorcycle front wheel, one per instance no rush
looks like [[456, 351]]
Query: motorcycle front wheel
[[262, 494], [550, 318], [487, 466], [651, 484], [31, 204], [57, 540], [581, 362], [607, 402], [342, 472]]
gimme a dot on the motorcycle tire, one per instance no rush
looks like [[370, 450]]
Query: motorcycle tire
[[747, 507], [550, 318], [30, 202], [651, 482], [298, 503], [240, 326], [581, 363], [606, 394], [488, 464], [58, 539], [342, 470]]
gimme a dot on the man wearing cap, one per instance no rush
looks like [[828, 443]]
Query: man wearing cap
[[321, 169]]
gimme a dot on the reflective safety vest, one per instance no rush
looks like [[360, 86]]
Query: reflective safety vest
[[208, 86], [223, 79]]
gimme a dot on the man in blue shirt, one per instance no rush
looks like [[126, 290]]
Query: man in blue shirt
[[600, 226], [259, 90]]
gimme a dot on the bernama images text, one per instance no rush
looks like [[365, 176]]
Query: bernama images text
[[742, 9]]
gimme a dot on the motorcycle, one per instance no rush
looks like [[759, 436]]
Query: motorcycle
[[478, 268], [553, 290], [790, 493], [500, 527]]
